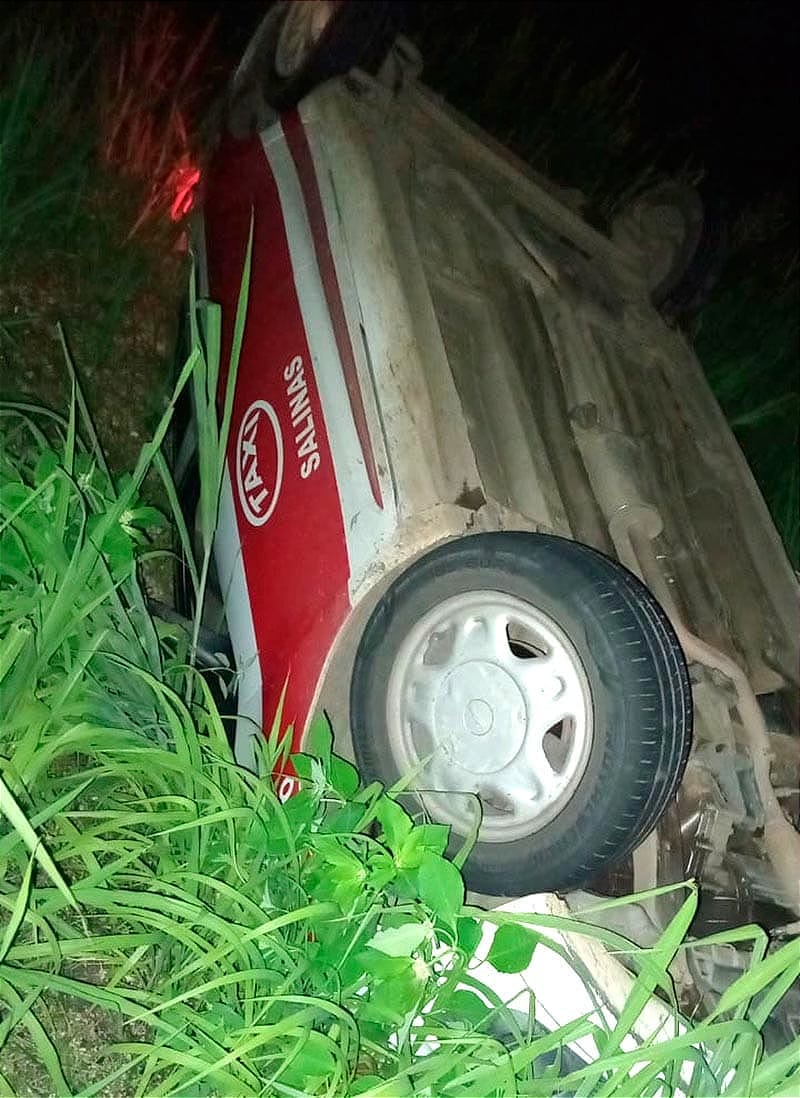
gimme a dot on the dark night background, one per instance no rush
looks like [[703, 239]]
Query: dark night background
[[718, 81]]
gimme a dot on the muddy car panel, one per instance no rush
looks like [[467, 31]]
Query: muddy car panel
[[476, 356]]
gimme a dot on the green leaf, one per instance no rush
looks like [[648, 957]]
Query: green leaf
[[468, 935], [47, 464], [381, 870], [299, 812], [395, 822], [335, 854], [789, 1088], [460, 857], [45, 1049], [754, 981], [424, 838], [341, 874], [343, 777], [435, 837], [19, 823], [147, 518], [512, 948], [342, 820], [302, 766], [390, 1000], [20, 907], [398, 1087], [467, 1007], [441, 887], [314, 1062], [116, 545], [318, 779], [319, 739], [400, 941], [12, 644], [365, 1084], [383, 966]]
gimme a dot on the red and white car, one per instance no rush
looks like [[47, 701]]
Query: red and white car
[[480, 505]]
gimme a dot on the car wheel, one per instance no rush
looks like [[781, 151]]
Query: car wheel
[[543, 677], [663, 226], [299, 45]]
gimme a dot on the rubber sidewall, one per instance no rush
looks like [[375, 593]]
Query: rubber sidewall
[[638, 682]]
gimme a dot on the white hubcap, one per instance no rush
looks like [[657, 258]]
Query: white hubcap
[[488, 695], [301, 29]]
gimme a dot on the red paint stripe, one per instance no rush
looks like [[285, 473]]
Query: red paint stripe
[[296, 565], [301, 154]]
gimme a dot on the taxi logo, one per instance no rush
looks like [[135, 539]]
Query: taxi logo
[[259, 462]]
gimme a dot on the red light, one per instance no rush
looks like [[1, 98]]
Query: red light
[[182, 183]]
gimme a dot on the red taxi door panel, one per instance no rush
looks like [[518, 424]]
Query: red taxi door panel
[[285, 497]]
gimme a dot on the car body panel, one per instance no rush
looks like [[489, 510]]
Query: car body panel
[[280, 468], [581, 404]]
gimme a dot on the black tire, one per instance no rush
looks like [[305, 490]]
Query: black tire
[[687, 206], [641, 703], [702, 274], [359, 34]]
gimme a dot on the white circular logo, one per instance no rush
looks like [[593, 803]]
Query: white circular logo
[[259, 462], [287, 787]]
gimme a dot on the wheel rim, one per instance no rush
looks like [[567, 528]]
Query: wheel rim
[[301, 30], [663, 231], [488, 695]]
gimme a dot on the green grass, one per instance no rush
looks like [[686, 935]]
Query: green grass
[[66, 250], [222, 942], [45, 157], [92, 99]]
